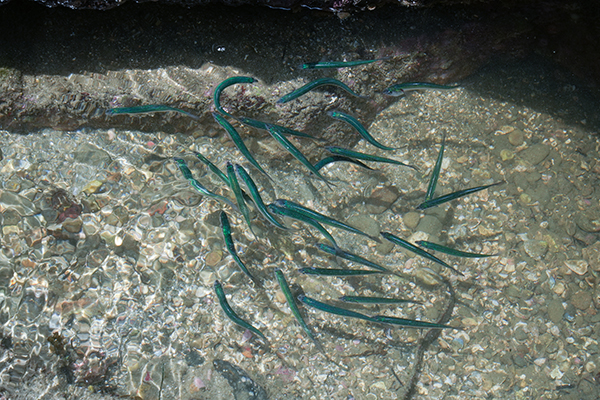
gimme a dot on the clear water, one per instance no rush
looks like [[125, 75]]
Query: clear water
[[109, 256]]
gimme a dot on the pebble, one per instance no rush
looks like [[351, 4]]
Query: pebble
[[72, 225], [382, 199], [213, 258], [535, 248], [556, 373], [507, 155], [535, 154], [581, 300], [429, 224], [505, 129], [525, 199], [10, 217], [555, 311], [592, 255], [559, 289], [539, 361], [92, 187], [411, 219], [516, 137], [588, 220], [580, 267], [280, 297], [520, 334], [89, 154]]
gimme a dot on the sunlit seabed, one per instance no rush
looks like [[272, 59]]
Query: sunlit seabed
[[129, 283]]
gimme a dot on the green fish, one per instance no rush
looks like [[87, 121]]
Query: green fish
[[411, 247], [410, 323], [333, 159], [328, 308], [219, 173], [187, 174], [239, 195], [362, 156], [150, 108], [226, 83], [258, 201], [435, 174], [359, 128], [448, 250], [275, 209], [213, 168], [315, 84], [286, 131], [286, 144], [226, 227], [402, 88], [351, 257], [323, 219], [339, 64], [452, 196], [237, 140], [232, 315], [337, 272], [285, 288], [375, 300]]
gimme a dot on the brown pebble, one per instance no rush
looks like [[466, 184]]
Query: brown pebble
[[581, 300], [411, 219], [516, 137], [381, 199], [27, 263], [213, 258]]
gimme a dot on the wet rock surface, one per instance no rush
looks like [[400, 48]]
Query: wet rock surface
[[69, 74]]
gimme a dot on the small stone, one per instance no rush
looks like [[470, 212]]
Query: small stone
[[590, 367], [519, 360], [588, 221], [280, 297], [555, 311], [556, 373], [429, 224], [505, 129], [580, 267], [72, 225], [539, 361], [592, 255], [525, 199], [411, 219], [507, 155], [516, 137], [581, 300], [378, 385], [382, 199], [7, 230], [90, 154], [535, 248], [207, 277], [213, 258], [535, 154], [520, 334], [92, 187], [559, 289]]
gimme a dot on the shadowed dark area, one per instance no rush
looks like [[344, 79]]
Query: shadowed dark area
[[521, 46]]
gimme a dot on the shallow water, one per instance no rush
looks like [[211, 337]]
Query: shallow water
[[109, 257]]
